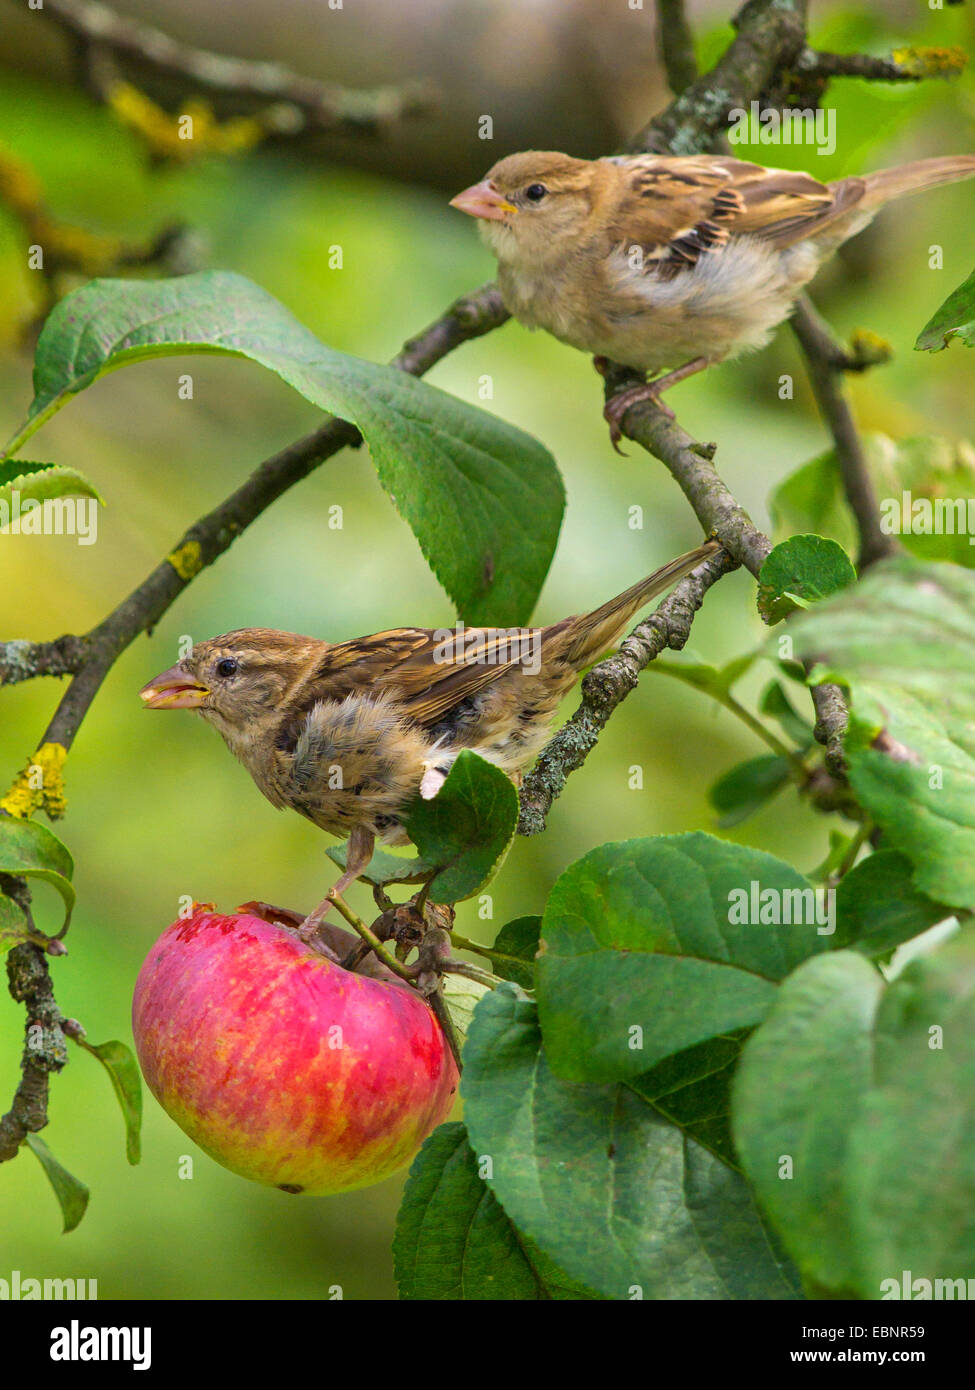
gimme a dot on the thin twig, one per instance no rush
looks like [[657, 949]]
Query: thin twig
[[909, 65], [825, 362], [372, 940], [676, 45]]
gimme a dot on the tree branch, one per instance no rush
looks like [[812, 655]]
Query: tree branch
[[676, 45], [21, 661], [314, 105], [44, 1046], [826, 362], [906, 65], [470, 317], [769, 36], [607, 685]]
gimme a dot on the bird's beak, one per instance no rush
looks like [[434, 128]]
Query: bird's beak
[[483, 200], [173, 689]]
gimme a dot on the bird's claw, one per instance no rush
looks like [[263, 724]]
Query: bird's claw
[[617, 406]]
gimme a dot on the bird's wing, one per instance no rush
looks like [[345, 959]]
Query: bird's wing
[[427, 672], [680, 208]]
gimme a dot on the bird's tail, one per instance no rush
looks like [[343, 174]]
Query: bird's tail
[[586, 637], [884, 185]]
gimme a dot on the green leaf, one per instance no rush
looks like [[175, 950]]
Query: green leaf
[[28, 848], [911, 1165], [745, 788], [608, 1189], [776, 703], [385, 868], [513, 954], [72, 1195], [869, 1093], [713, 680], [39, 483], [802, 1078], [466, 828], [123, 1071], [878, 906], [692, 1090], [955, 318], [15, 470], [453, 1240], [462, 997], [811, 500], [925, 486], [650, 946], [13, 924], [903, 642], [801, 568], [484, 499]]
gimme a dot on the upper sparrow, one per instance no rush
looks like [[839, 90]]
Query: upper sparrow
[[679, 262], [349, 733]]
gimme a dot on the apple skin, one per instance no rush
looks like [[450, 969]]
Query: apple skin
[[234, 1021]]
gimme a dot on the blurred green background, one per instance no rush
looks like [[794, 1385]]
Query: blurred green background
[[157, 809]]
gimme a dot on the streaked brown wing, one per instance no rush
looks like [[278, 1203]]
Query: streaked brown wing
[[682, 208], [429, 671]]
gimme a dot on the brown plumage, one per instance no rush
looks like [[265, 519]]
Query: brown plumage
[[679, 262], [349, 733]]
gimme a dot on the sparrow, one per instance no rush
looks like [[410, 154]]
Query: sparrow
[[349, 734], [676, 262]]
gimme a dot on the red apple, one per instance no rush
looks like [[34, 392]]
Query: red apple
[[283, 1066]]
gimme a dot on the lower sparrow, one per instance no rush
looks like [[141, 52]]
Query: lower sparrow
[[654, 262], [349, 733]]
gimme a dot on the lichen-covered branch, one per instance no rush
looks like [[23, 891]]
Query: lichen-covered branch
[[904, 65], [607, 685], [21, 660], [44, 1046], [770, 34]]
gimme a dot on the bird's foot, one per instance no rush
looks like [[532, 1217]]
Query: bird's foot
[[358, 852], [618, 405]]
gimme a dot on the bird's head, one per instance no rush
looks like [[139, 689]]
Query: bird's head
[[237, 682], [529, 203]]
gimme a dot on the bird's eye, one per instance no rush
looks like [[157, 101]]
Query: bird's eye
[[227, 666], [535, 192]]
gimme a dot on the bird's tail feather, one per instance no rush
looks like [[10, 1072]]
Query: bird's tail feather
[[886, 184], [588, 636]]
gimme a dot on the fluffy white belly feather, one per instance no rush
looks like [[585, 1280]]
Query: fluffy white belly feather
[[730, 302]]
